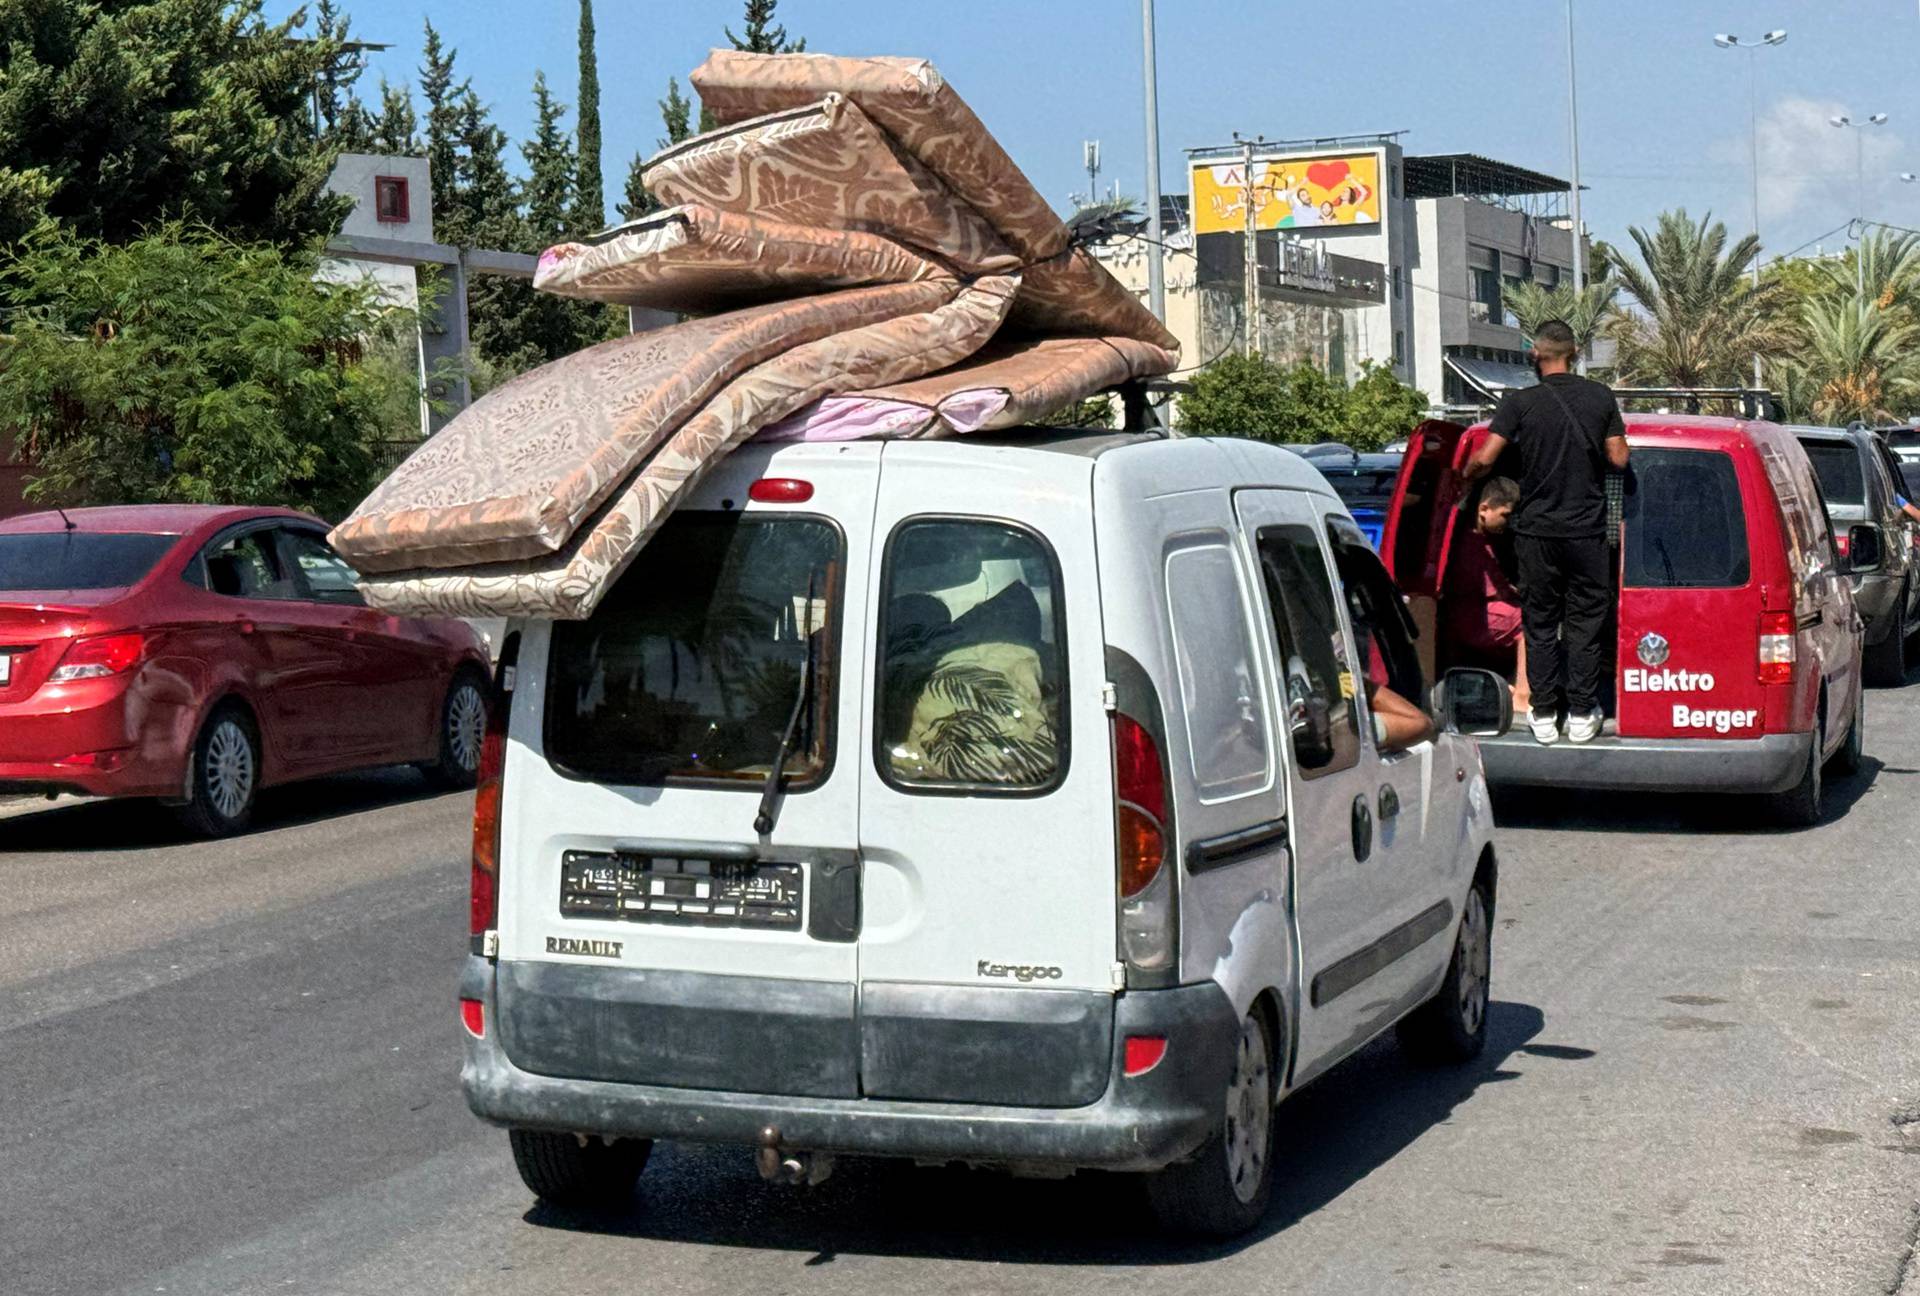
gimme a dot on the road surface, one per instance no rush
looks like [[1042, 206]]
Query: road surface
[[231, 1068]]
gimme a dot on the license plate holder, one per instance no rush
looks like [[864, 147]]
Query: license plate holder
[[682, 891]]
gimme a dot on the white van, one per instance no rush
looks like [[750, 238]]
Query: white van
[[1083, 854]]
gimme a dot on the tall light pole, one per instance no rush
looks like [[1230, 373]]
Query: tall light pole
[[1859, 186], [1156, 262], [1573, 141], [1753, 49]]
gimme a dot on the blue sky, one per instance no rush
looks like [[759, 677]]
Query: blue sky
[[1663, 112]]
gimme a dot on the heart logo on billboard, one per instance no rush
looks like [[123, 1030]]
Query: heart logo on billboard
[[1325, 175]]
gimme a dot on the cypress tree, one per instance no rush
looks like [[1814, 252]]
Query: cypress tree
[[590, 202], [636, 202], [396, 129], [763, 36], [675, 115], [443, 125], [550, 168]]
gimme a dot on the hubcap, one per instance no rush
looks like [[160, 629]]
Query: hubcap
[[1475, 957], [1249, 1113], [229, 769], [466, 725]]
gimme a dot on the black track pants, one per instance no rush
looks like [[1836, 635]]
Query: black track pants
[[1564, 596]]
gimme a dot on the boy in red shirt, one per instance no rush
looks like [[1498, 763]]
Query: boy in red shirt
[[1483, 607]]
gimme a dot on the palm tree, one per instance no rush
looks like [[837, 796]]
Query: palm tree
[[1859, 362], [1888, 264], [1533, 304], [1699, 319]]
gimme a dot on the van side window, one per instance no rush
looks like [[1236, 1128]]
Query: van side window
[[1382, 626], [1323, 713], [1219, 681], [973, 663]]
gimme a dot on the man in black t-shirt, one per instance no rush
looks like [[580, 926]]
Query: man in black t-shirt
[[1568, 432]]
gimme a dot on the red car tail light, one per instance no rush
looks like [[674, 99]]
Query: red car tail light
[[1777, 647], [484, 895], [98, 657]]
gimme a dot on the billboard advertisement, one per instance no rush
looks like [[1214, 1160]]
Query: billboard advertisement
[[1288, 192]]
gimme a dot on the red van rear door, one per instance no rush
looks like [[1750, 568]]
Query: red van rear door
[[1423, 499], [1690, 599]]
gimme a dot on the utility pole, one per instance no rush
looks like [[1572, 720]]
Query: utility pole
[[1250, 291], [1573, 141], [1753, 49], [1859, 188], [1090, 154], [1156, 260]]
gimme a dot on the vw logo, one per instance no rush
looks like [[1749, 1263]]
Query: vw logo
[[1653, 648]]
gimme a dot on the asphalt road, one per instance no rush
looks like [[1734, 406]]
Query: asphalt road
[[232, 1068]]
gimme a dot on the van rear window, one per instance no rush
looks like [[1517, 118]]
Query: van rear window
[[1837, 465], [691, 667], [973, 663], [1684, 525]]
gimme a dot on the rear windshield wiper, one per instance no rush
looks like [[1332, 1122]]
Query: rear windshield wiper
[[770, 795]]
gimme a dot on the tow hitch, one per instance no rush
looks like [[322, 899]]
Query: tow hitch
[[789, 1166]]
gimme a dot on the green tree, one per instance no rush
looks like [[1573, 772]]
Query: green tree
[[590, 203], [183, 366], [635, 201], [550, 168], [443, 98], [342, 119], [1533, 304], [1700, 319], [1249, 396], [118, 114], [676, 116], [1859, 361], [396, 129], [763, 36]]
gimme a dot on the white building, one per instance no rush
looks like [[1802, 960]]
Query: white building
[[1364, 253], [392, 199]]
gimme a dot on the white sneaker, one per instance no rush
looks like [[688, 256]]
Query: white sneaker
[[1546, 728], [1584, 728]]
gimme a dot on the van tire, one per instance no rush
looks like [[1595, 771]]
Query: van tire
[[1884, 664], [1799, 805], [1847, 760], [563, 1170], [1451, 1027], [223, 782], [1211, 1195], [463, 722]]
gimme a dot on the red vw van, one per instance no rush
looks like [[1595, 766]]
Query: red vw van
[[1735, 644]]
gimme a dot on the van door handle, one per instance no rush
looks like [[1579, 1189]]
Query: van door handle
[[1362, 829], [1389, 802]]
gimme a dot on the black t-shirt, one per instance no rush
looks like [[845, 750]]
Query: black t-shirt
[[1563, 459]]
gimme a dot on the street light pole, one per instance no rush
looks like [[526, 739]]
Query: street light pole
[[1573, 141], [1859, 187], [1753, 49], [1156, 262]]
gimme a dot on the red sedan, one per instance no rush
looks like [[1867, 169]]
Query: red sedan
[[200, 653]]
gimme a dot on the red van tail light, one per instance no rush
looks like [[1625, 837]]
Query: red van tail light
[[1777, 647], [484, 896], [1142, 1054], [780, 490], [99, 656], [1842, 541], [473, 1015]]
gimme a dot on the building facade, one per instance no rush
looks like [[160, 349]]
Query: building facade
[[1362, 254]]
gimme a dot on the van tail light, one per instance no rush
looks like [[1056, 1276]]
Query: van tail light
[[484, 897], [780, 490], [1777, 647], [1842, 541], [1141, 843], [99, 656]]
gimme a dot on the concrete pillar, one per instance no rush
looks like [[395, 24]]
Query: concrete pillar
[[443, 344]]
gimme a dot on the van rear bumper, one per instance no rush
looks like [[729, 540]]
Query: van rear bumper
[[1769, 763], [1139, 1123]]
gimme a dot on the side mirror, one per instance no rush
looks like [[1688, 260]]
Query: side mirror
[[1474, 702], [1864, 549]]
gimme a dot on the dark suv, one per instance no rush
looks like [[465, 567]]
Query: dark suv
[[1861, 480]]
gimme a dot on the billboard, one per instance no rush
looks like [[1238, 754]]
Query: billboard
[[1288, 192]]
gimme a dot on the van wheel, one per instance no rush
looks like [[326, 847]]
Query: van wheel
[[1884, 664], [1799, 805], [562, 1169], [1847, 759], [463, 725], [224, 780], [1451, 1027], [1224, 1190]]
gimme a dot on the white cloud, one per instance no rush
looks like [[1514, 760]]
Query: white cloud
[[1807, 165]]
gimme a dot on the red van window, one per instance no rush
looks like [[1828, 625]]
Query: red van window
[[1685, 527]]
